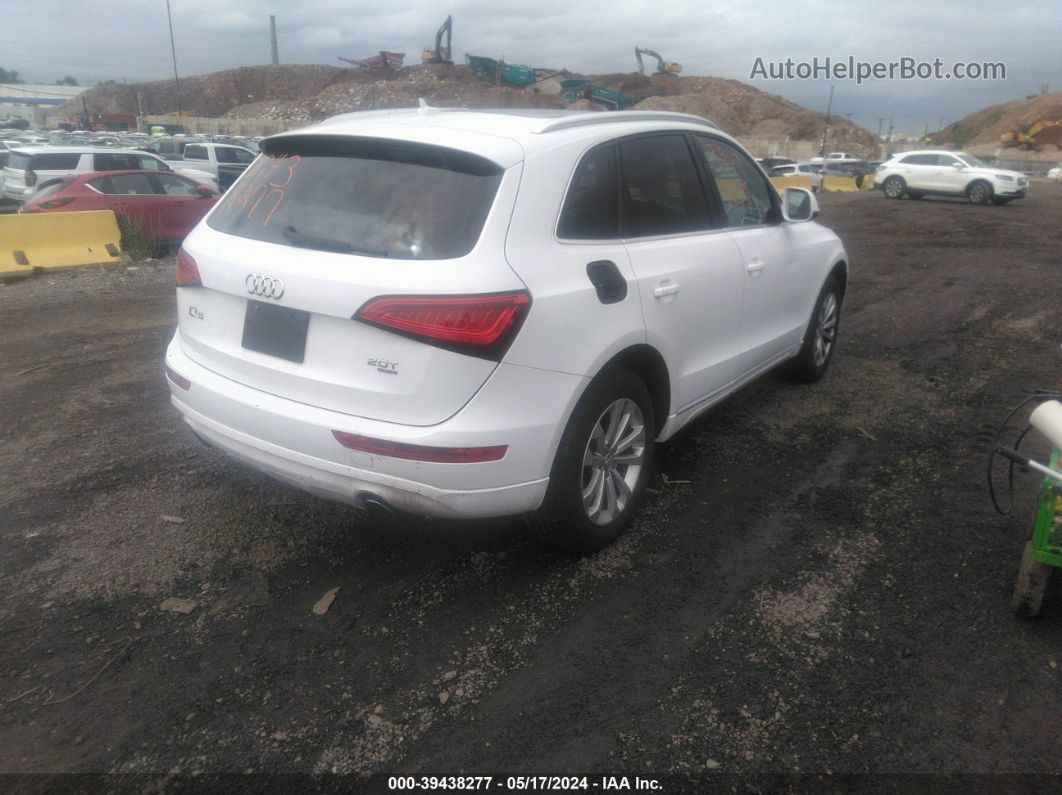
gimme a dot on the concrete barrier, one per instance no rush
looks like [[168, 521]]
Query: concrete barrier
[[791, 181], [57, 240], [832, 184]]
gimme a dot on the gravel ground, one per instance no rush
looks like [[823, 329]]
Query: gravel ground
[[817, 585]]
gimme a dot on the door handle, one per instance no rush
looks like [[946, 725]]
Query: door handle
[[666, 289], [755, 265]]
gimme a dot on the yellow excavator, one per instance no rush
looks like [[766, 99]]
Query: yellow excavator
[[440, 54], [1033, 137], [662, 66]]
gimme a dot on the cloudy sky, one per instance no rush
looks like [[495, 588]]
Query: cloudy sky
[[128, 40]]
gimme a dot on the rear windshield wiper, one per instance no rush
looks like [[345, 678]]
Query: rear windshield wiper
[[304, 240]]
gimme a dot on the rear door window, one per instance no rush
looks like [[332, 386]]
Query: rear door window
[[132, 185], [195, 152], [55, 161], [172, 185], [367, 196], [115, 161], [149, 162], [661, 193]]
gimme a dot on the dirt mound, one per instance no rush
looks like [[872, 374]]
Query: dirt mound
[[309, 93], [986, 127], [747, 112], [210, 94], [441, 85]]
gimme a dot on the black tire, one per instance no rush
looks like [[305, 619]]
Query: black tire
[[979, 192], [893, 187], [564, 520], [1030, 586], [810, 365]]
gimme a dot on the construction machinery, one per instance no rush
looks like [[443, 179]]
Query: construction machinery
[[500, 73], [574, 90], [662, 66], [385, 60], [440, 54], [1036, 135]]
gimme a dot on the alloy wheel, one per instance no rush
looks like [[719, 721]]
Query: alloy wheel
[[825, 329], [613, 461]]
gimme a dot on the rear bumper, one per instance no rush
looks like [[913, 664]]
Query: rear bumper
[[293, 442]]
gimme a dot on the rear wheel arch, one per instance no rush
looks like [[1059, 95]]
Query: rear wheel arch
[[840, 273], [646, 362]]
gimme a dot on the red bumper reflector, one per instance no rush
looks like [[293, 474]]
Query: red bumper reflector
[[180, 380], [418, 452]]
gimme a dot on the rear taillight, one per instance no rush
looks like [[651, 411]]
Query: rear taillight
[[483, 325], [419, 452], [187, 271], [179, 380], [51, 204], [30, 179]]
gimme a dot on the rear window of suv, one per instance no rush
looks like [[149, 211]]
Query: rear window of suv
[[368, 196], [54, 161]]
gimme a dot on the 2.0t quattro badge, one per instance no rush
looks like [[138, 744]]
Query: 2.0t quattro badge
[[265, 286]]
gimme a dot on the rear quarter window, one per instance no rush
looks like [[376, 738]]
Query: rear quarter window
[[367, 196], [54, 161]]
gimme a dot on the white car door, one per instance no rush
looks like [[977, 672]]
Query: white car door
[[777, 289], [950, 174], [689, 272], [918, 171]]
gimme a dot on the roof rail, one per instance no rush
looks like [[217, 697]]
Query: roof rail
[[610, 116], [369, 114]]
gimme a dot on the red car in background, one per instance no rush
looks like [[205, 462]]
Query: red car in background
[[161, 207]]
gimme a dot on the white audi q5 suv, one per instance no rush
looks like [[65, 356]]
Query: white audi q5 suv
[[473, 313]]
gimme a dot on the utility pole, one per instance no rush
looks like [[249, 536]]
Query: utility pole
[[173, 49], [881, 120], [273, 38], [826, 129], [140, 112]]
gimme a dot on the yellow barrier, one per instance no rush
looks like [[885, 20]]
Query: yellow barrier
[[57, 240], [833, 184], [791, 181], [732, 191]]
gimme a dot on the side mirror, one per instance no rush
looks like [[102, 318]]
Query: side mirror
[[204, 192], [959, 167], [799, 204]]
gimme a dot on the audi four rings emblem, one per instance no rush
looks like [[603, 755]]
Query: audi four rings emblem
[[265, 286]]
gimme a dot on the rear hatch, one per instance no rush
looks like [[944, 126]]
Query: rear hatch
[[15, 170], [314, 232]]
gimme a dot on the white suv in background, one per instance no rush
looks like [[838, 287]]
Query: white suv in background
[[943, 173], [460, 313]]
